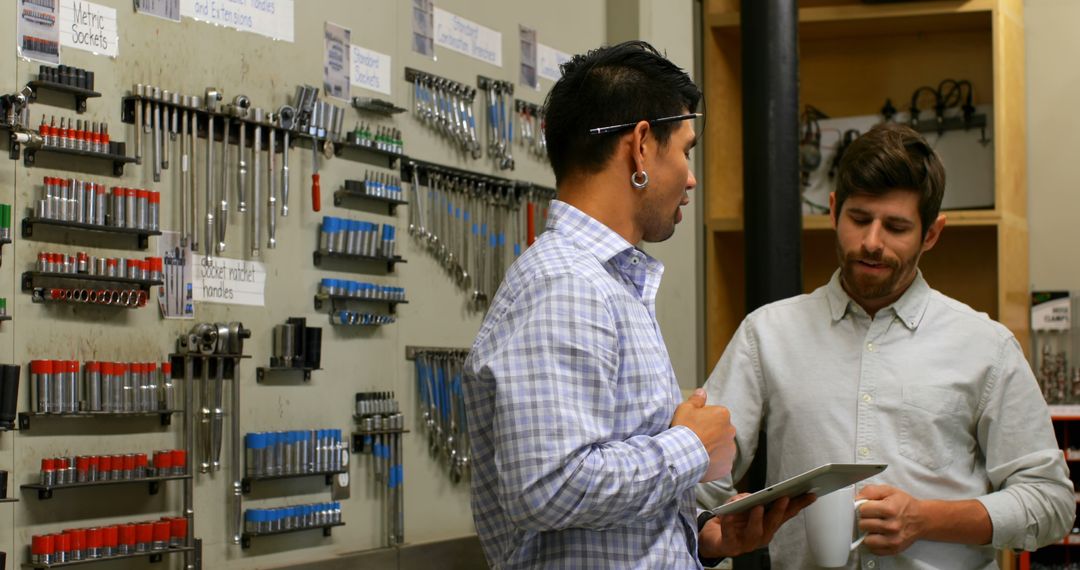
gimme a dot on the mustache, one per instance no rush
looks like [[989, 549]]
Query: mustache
[[878, 257]]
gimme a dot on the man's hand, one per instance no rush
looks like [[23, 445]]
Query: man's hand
[[712, 425], [735, 534], [891, 518]]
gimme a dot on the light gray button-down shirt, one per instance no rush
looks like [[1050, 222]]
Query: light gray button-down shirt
[[939, 392]]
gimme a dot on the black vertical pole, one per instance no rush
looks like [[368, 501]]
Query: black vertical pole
[[772, 218], [772, 210]]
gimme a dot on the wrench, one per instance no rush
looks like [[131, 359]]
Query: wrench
[[286, 119], [213, 96], [193, 185], [140, 95], [271, 185], [256, 187], [184, 167], [155, 114]]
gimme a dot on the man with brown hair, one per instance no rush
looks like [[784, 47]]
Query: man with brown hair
[[877, 367]]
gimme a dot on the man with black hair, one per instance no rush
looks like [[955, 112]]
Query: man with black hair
[[877, 367], [583, 456]]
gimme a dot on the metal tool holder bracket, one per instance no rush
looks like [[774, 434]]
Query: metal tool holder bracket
[[31, 277], [80, 94], [30, 156], [165, 416], [263, 371], [412, 351], [9, 500], [376, 106], [341, 195], [329, 475], [154, 556], [226, 360], [358, 436], [318, 255], [352, 151], [423, 168], [245, 538], [333, 300], [142, 236], [46, 491], [939, 126], [487, 83], [201, 116]]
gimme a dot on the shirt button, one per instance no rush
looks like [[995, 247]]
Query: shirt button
[[871, 564], [633, 261], [870, 346], [864, 451], [867, 398]]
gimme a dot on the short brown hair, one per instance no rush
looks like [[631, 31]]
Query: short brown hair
[[888, 157]]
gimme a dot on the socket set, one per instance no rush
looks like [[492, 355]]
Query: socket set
[[317, 118], [377, 185], [74, 545], [78, 134], [85, 202], [297, 345], [67, 75], [387, 139], [360, 290], [298, 517], [57, 471], [128, 298], [353, 318], [58, 387], [82, 263], [278, 453], [381, 425], [357, 237]]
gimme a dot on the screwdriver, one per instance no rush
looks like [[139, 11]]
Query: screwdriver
[[315, 191]]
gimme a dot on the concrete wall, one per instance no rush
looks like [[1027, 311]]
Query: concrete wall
[[187, 57]]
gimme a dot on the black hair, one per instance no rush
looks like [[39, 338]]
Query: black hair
[[617, 84]]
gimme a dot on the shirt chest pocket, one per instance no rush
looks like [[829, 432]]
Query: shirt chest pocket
[[932, 424]]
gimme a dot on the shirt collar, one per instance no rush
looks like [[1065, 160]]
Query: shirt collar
[[909, 308], [587, 232]]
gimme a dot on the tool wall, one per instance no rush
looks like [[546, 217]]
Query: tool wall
[[268, 423]]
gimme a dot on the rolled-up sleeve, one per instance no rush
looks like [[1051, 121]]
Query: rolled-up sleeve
[[555, 413], [1032, 502]]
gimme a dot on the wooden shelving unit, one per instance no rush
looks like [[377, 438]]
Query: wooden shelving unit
[[852, 57]]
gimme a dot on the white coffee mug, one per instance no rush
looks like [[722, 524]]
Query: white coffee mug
[[830, 521]]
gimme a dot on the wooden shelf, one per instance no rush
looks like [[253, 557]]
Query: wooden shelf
[[985, 218], [924, 12]]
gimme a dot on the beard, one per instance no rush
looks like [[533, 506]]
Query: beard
[[868, 286], [660, 228]]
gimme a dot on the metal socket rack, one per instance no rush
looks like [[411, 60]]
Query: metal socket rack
[[142, 236], [377, 106], [245, 537], [30, 155], [341, 195], [188, 365], [46, 491], [321, 298], [165, 416], [319, 254], [189, 552], [224, 118], [358, 436], [80, 94], [245, 483], [359, 152], [263, 371], [29, 278]]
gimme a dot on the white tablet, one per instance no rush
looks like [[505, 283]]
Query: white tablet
[[819, 481]]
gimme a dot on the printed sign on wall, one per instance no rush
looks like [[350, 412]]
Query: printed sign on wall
[[228, 281], [371, 70], [271, 18], [549, 61], [336, 53], [38, 36], [467, 37], [90, 27]]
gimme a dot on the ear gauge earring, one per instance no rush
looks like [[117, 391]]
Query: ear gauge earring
[[639, 180]]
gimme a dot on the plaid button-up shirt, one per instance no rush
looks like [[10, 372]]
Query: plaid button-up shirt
[[570, 395]]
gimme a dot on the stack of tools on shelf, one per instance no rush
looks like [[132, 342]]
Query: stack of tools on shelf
[[278, 453], [381, 425], [59, 471], [80, 544], [59, 387]]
